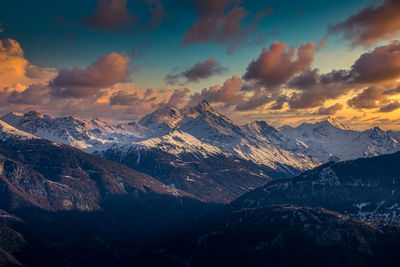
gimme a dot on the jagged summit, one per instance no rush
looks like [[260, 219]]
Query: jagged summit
[[336, 123], [301, 147], [203, 106], [257, 125], [34, 114], [327, 123], [163, 115]]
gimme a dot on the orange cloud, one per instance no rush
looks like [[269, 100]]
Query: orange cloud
[[390, 107], [14, 68], [332, 110]]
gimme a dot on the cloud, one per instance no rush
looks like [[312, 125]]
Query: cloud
[[107, 71], [241, 39], [213, 22], [14, 68], [305, 80], [110, 14], [115, 15], [35, 94], [390, 107], [157, 12], [11, 47], [368, 99], [310, 99], [123, 98], [222, 22], [177, 98], [34, 72], [229, 93], [279, 102], [392, 91], [371, 24], [381, 64], [312, 89], [201, 70], [376, 96], [322, 44], [258, 99], [12, 63], [332, 110], [275, 65]]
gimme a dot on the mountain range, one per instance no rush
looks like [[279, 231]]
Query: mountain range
[[204, 153], [151, 192]]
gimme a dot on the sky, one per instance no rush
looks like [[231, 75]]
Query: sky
[[285, 62]]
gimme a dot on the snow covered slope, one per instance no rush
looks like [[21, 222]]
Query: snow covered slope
[[329, 140], [203, 131], [86, 135], [7, 131]]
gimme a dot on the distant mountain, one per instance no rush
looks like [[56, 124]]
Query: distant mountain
[[367, 188], [204, 153], [329, 140], [276, 236], [288, 150]]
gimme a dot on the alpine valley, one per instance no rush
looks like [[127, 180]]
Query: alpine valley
[[189, 187]]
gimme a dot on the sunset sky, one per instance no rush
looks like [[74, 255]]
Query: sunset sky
[[285, 62]]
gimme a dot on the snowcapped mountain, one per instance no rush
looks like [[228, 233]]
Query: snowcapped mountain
[[64, 130], [7, 131], [165, 117], [86, 135], [204, 132], [267, 148], [182, 161], [329, 140]]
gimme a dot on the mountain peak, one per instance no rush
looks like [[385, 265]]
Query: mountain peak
[[259, 123], [203, 106], [34, 113], [164, 114], [334, 122], [166, 110]]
